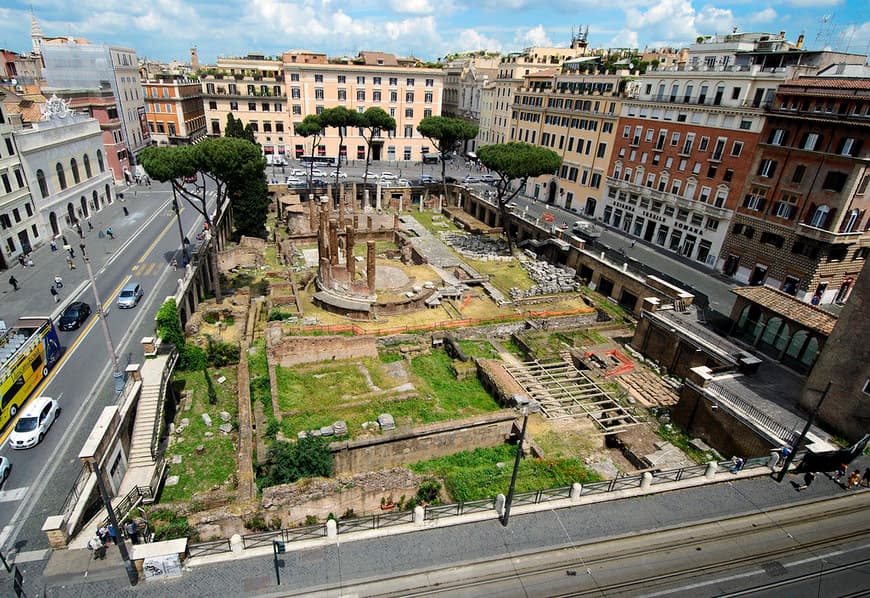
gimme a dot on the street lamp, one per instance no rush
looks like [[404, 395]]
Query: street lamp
[[797, 443], [184, 240], [526, 407], [117, 374], [132, 574]]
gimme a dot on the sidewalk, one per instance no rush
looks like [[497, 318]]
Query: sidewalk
[[33, 297]]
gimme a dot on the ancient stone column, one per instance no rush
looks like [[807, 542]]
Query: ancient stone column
[[440, 202], [323, 248], [333, 243], [341, 208], [312, 214], [349, 241], [378, 197], [370, 265], [400, 203], [325, 273], [366, 201]]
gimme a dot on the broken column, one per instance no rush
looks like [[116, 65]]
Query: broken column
[[349, 242], [333, 243], [370, 265]]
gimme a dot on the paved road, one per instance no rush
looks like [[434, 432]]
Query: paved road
[[341, 564], [145, 242]]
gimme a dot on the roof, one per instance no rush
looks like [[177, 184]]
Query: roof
[[378, 58], [783, 304]]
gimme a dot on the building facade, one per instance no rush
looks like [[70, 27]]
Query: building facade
[[174, 109], [802, 225], [465, 79], [100, 104], [63, 156], [20, 225]]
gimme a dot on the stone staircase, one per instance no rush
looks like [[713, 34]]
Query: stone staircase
[[143, 428]]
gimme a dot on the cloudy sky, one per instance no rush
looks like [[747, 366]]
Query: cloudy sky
[[165, 29]]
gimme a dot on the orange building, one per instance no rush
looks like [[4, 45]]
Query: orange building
[[174, 109]]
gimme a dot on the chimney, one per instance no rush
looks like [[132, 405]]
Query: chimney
[[800, 41], [782, 35]]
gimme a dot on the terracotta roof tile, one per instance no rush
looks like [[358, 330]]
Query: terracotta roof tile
[[789, 307]]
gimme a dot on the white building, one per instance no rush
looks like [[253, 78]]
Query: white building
[[62, 156]]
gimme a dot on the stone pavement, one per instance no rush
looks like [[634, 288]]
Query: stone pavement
[[337, 563], [33, 297]]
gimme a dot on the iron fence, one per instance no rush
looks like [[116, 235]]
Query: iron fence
[[261, 538], [754, 413], [355, 525], [391, 519], [207, 548], [476, 506], [75, 492], [304, 533], [625, 483]]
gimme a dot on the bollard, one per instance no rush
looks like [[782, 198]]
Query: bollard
[[331, 528], [236, 543], [419, 515], [499, 504], [576, 490], [646, 480], [712, 466]]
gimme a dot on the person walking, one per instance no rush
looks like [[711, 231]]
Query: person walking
[[53, 245], [854, 479], [54, 294], [738, 464], [58, 281], [110, 233], [865, 479], [113, 535], [808, 480], [70, 250], [21, 260], [69, 262], [95, 545], [29, 261], [841, 471], [90, 225], [126, 212], [14, 282], [132, 531]]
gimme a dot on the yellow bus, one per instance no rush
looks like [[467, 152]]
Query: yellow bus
[[28, 350]]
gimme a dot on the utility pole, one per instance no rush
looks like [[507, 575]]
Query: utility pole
[[132, 574], [526, 408], [800, 439], [117, 374]]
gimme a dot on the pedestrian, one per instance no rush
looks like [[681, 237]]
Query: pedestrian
[[110, 233], [784, 452], [96, 546], [174, 264], [53, 245], [54, 294], [808, 480], [126, 213], [22, 260], [854, 479], [113, 535], [132, 531], [79, 230], [865, 479], [29, 261], [69, 262], [70, 250], [841, 471], [14, 282], [103, 534], [633, 243], [58, 281], [738, 464], [90, 225]]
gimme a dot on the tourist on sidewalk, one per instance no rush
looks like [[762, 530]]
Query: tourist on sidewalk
[[132, 531], [110, 233], [53, 245], [58, 281], [69, 262], [808, 480], [54, 294], [14, 282], [854, 479]]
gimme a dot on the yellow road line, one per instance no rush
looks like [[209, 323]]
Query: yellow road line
[[154, 243]]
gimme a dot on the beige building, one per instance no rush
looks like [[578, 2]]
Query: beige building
[[174, 109], [574, 115], [512, 70], [466, 77], [273, 95]]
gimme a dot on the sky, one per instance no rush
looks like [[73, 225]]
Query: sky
[[164, 30]]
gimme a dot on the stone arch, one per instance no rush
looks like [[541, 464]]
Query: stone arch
[[61, 176], [87, 162], [52, 221], [108, 194], [95, 200], [100, 161], [71, 213], [84, 203], [74, 167], [43, 184]]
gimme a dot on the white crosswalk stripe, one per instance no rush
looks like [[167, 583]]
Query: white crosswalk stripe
[[13, 495]]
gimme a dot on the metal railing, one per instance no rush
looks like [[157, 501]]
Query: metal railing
[[75, 492], [135, 497], [208, 548], [754, 413], [157, 430]]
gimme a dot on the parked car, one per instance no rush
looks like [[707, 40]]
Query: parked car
[[293, 181], [74, 315], [428, 178], [388, 176], [5, 468], [298, 172], [342, 174], [34, 423], [487, 178], [471, 179], [130, 295], [403, 182], [318, 173]]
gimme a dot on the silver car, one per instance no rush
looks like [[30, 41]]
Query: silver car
[[130, 295]]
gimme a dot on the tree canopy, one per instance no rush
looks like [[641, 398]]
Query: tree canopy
[[340, 118], [235, 128], [375, 121], [446, 134], [516, 161]]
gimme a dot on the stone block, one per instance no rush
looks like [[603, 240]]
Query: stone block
[[226, 428], [171, 481], [206, 419], [225, 416]]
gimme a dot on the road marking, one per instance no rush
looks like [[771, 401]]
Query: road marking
[[150, 269], [31, 555], [7, 529], [14, 494], [154, 243]]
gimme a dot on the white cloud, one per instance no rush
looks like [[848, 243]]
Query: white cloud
[[471, 40], [536, 36], [713, 20], [767, 15], [423, 7], [624, 39], [667, 19]]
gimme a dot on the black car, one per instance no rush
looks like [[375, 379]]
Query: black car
[[74, 315]]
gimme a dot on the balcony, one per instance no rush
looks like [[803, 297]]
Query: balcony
[[825, 236], [670, 199]]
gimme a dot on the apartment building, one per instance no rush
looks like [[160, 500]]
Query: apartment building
[[687, 137], [408, 93], [465, 78], [512, 70], [174, 109], [574, 115], [802, 224], [20, 228]]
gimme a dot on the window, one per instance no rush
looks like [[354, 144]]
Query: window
[[61, 176], [212, 105], [851, 222], [360, 80], [834, 181], [409, 96], [234, 106], [430, 82], [100, 161], [777, 137], [718, 149], [376, 96], [798, 174], [394, 96], [297, 109], [675, 139], [376, 80], [785, 209], [767, 168], [427, 97], [409, 82], [360, 95], [862, 186], [772, 239], [705, 141], [755, 200], [252, 106], [409, 130], [820, 217], [318, 93], [295, 93], [43, 185], [342, 95], [810, 141], [342, 79], [687, 144], [394, 81], [87, 162], [74, 166], [849, 147], [318, 78], [704, 195], [737, 149]]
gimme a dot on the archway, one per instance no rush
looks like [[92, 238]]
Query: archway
[[70, 214], [108, 194], [95, 201], [52, 221], [84, 203]]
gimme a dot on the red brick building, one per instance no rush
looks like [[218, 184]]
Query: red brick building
[[802, 225]]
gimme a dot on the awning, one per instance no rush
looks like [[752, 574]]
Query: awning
[[471, 155], [268, 149]]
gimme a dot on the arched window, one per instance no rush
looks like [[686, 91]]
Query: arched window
[[87, 163], [61, 176], [43, 184], [73, 165], [851, 222], [819, 217], [100, 161]]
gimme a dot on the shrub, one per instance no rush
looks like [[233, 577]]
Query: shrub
[[428, 492], [212, 393], [272, 428], [256, 523], [305, 458], [168, 326], [192, 358], [221, 354], [311, 520]]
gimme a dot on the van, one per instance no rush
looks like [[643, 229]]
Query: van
[[130, 295], [431, 158]]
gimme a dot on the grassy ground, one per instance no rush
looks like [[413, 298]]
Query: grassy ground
[[321, 394], [482, 349], [435, 223], [486, 472], [199, 473], [504, 275]]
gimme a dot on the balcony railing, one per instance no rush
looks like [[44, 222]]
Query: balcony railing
[[827, 236]]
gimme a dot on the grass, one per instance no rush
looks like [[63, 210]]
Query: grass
[[380, 247], [199, 473], [258, 371], [318, 395], [676, 436], [481, 349], [486, 472], [504, 275], [427, 219]]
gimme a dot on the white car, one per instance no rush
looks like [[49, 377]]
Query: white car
[[318, 173], [34, 423], [292, 180], [403, 182], [388, 176], [5, 469], [298, 172]]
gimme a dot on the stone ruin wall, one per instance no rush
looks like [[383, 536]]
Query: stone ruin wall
[[287, 351]]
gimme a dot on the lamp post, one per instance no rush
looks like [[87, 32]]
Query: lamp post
[[132, 574], [117, 374], [526, 407], [184, 241], [800, 439]]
